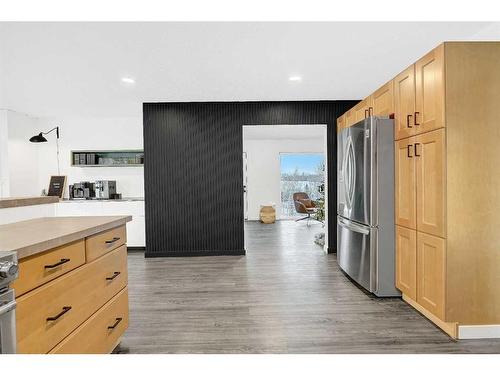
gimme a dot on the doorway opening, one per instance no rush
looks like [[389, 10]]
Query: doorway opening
[[285, 183]]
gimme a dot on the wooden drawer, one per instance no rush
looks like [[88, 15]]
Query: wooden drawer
[[39, 269], [101, 332], [102, 243], [80, 293]]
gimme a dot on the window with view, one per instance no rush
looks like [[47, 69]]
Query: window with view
[[300, 173]]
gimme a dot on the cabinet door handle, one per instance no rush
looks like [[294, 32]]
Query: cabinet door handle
[[416, 144], [367, 113], [117, 321], [112, 240], [408, 150], [415, 118], [65, 309], [115, 275], [62, 261], [370, 111], [408, 121]]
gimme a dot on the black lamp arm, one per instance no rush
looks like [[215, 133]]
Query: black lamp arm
[[51, 130]]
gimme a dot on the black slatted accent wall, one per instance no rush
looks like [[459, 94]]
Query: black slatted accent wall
[[193, 170]]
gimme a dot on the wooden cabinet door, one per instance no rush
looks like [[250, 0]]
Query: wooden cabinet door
[[405, 186], [431, 263], [340, 123], [383, 100], [363, 109], [430, 165], [404, 103], [349, 117], [406, 261], [429, 88]]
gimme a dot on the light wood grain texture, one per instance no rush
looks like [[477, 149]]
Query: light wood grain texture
[[430, 159], [404, 103], [26, 201], [406, 261], [431, 274], [349, 118], [451, 328], [340, 123], [85, 290], [38, 235], [285, 296], [405, 183], [383, 100], [102, 243], [430, 91], [363, 109], [95, 336], [473, 181], [33, 270]]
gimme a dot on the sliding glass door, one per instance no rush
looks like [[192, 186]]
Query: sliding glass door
[[300, 173]]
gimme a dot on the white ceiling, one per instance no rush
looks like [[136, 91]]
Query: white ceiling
[[271, 132], [74, 69]]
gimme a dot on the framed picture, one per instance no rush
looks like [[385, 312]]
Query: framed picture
[[56, 186]]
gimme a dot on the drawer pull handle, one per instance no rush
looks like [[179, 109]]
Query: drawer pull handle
[[408, 121], [416, 144], [115, 274], [113, 240], [415, 118], [62, 261], [118, 320], [408, 151], [64, 311]]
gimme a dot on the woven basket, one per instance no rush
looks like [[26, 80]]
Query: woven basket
[[267, 214]]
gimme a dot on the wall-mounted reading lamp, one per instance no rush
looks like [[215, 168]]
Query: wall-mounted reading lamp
[[40, 138]]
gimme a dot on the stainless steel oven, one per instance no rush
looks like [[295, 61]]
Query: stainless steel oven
[[8, 273]]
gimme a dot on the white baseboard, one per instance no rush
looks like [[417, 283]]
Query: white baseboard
[[479, 332]]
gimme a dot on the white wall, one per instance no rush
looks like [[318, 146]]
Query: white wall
[[93, 134], [263, 166], [19, 158]]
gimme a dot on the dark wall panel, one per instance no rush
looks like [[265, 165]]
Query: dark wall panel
[[193, 170]]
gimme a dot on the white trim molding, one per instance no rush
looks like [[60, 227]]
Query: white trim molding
[[479, 332]]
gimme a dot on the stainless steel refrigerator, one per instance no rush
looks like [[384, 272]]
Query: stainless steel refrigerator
[[365, 211]]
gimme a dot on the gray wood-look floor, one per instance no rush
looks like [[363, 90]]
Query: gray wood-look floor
[[285, 296]]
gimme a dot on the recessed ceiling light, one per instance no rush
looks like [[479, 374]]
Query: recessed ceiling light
[[295, 78], [128, 80]]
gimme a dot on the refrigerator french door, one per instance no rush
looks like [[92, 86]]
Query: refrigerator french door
[[365, 212]]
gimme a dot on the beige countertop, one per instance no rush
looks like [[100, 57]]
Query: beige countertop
[[26, 201], [37, 235]]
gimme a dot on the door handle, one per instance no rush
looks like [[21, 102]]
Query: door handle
[[55, 317], [354, 227], [415, 118], [62, 261], [367, 113], [370, 111], [416, 144], [408, 121], [112, 240], [408, 150]]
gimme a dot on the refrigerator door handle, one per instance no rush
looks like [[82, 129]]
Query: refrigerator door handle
[[354, 227]]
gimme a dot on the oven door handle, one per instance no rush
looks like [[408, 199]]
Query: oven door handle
[[354, 227], [4, 309]]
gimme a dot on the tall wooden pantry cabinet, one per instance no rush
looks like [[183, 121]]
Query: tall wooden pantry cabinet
[[446, 109]]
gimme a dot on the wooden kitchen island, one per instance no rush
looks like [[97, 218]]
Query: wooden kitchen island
[[71, 292]]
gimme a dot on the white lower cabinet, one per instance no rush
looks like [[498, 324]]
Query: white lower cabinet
[[136, 229]]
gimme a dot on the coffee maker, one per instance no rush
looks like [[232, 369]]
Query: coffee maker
[[105, 189], [82, 190]]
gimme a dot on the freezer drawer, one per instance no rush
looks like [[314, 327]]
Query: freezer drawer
[[355, 252]]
